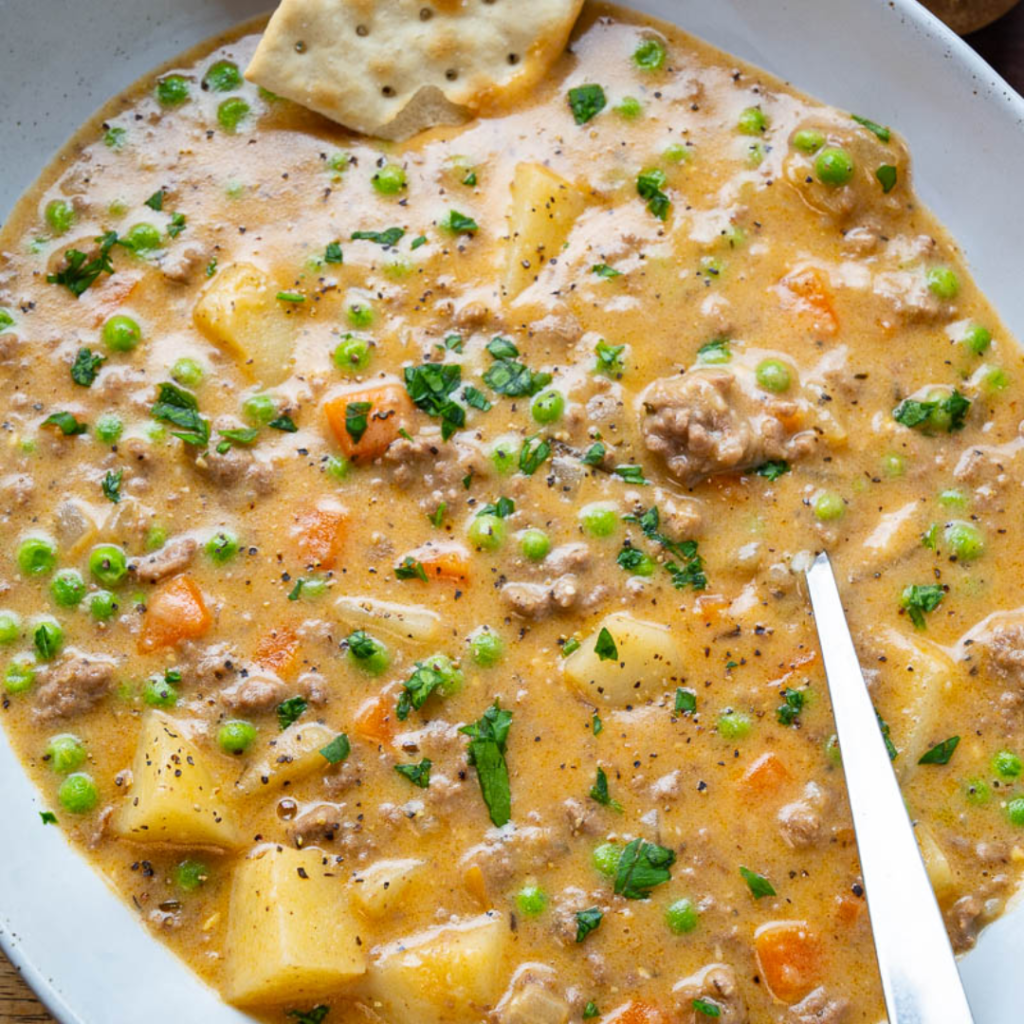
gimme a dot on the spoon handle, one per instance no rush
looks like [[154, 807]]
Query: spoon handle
[[918, 969]]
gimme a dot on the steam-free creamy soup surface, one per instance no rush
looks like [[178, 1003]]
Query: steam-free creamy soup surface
[[403, 600]]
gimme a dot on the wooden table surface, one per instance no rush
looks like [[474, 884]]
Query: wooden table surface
[[1001, 44]]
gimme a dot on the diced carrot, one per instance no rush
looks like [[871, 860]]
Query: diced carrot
[[806, 292], [374, 721], [848, 908], [790, 415], [635, 1012], [476, 884], [765, 775], [441, 562], [174, 612], [319, 533], [276, 650], [389, 411], [789, 957], [710, 607]]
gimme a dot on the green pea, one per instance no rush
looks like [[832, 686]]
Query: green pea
[[159, 692], [60, 215], [964, 540], [10, 627], [733, 725], [389, 180], [172, 90], [676, 154], [352, 354], [808, 140], [37, 556], [548, 406], [231, 113], [976, 791], [752, 121], [1015, 812], [994, 378], [368, 654], [1007, 764], [67, 588], [599, 520], [108, 564], [20, 674], [486, 647], [828, 505], [531, 900], [487, 532], [505, 454], [894, 464], [259, 409], [156, 537], [236, 736], [832, 751], [650, 55], [109, 428], [756, 153], [121, 333], [48, 638], [142, 238], [977, 338], [630, 108], [222, 547], [534, 544], [952, 497], [102, 605], [337, 467], [833, 166], [773, 375], [222, 76], [606, 858], [65, 753], [644, 565], [189, 875], [188, 372], [6, 320], [943, 282], [360, 316], [681, 916], [78, 793], [452, 677]]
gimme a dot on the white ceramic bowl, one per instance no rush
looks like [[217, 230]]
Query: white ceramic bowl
[[84, 952]]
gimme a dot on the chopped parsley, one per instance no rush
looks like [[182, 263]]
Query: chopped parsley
[[417, 774], [452, 343], [86, 366], [586, 102], [920, 599], [48, 817], [533, 454], [587, 921], [649, 186], [290, 710], [609, 359], [314, 1016], [476, 398], [502, 508], [337, 750], [594, 455], [67, 423], [604, 271], [596, 725], [759, 885], [714, 352], [177, 225], [179, 407], [599, 791], [418, 241], [886, 175], [706, 1007], [883, 133], [430, 387], [417, 688], [502, 348], [890, 747], [691, 572], [773, 469], [488, 736], [388, 237], [941, 752], [631, 474], [80, 273], [156, 201], [241, 435], [112, 485], [292, 297], [459, 224], [642, 866], [333, 253], [949, 412], [437, 516], [605, 648], [410, 569], [283, 422], [590, 1010], [356, 420], [788, 712], [570, 645], [686, 701]]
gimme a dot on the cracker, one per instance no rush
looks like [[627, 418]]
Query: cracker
[[393, 67]]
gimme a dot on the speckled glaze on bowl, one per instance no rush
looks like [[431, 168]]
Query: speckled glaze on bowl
[[80, 948]]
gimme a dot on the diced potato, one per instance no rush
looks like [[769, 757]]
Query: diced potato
[[378, 889], [897, 532], [443, 973], [291, 755], [175, 611], [936, 863], [75, 525], [173, 797], [238, 310], [401, 621], [544, 207], [647, 662], [291, 933]]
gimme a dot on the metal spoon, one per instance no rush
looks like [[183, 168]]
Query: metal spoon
[[919, 974]]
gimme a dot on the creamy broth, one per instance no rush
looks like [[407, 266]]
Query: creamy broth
[[715, 298]]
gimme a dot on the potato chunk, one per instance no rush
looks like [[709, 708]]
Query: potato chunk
[[238, 311], [441, 974], [646, 662], [378, 889], [173, 798], [291, 933], [410, 622], [289, 756], [544, 207]]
